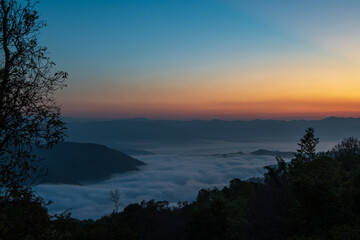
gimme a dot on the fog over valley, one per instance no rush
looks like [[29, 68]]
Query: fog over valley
[[175, 170], [171, 177]]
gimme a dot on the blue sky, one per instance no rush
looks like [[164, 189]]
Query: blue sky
[[125, 54]]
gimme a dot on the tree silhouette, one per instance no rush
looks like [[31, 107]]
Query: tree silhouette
[[307, 145], [350, 144], [114, 197], [347, 152], [276, 175], [29, 115]]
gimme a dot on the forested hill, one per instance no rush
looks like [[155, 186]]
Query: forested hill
[[72, 163]]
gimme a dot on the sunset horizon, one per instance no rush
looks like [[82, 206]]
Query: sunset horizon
[[206, 59], [203, 114]]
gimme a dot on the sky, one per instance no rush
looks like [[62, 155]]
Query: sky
[[205, 59]]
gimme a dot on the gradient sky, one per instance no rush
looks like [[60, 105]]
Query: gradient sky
[[204, 59]]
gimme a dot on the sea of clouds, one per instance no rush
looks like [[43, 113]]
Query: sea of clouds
[[170, 177], [167, 176]]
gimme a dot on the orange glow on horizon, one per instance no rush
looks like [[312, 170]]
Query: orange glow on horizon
[[296, 89], [237, 110]]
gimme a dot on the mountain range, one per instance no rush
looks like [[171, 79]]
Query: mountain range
[[122, 134]]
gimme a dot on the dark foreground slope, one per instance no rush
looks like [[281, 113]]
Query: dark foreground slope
[[72, 163]]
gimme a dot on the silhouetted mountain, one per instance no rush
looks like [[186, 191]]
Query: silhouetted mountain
[[120, 134], [228, 155], [76, 120], [264, 152], [72, 163]]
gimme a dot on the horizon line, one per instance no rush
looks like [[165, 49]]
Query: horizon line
[[204, 119]]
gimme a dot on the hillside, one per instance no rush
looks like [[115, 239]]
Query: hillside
[[72, 163]]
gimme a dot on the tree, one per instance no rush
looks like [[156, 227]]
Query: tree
[[221, 214], [29, 115], [307, 145], [350, 144], [277, 175], [307, 151], [114, 197], [320, 198], [347, 152]]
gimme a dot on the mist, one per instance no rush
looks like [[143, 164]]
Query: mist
[[175, 173], [171, 177]]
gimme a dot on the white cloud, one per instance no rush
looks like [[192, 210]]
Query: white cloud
[[170, 177]]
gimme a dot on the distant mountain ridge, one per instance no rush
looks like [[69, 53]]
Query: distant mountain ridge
[[118, 133], [260, 152], [72, 163], [228, 155], [264, 152]]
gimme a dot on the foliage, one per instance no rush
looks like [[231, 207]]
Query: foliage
[[277, 176], [25, 218], [221, 214], [28, 112], [148, 220], [347, 152], [307, 144], [29, 116]]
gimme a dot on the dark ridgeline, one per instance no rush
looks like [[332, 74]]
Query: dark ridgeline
[[74, 163], [129, 131], [228, 155], [263, 152]]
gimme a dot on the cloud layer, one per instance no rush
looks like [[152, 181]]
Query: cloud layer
[[170, 177]]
